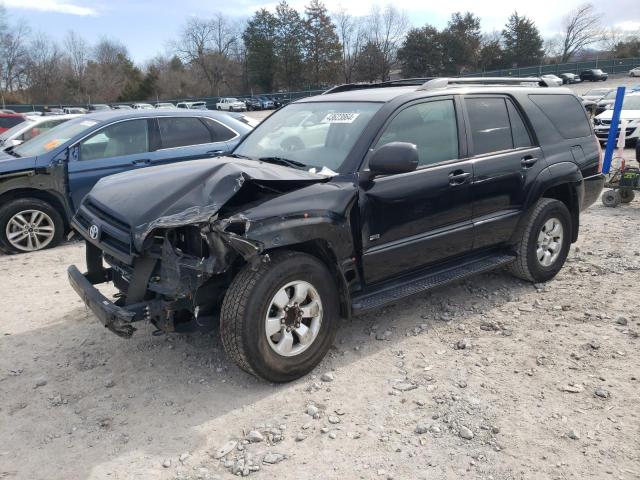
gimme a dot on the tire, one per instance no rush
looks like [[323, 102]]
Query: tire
[[48, 218], [626, 196], [611, 198], [251, 298], [545, 215]]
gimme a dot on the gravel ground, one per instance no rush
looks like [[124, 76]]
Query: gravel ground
[[491, 378]]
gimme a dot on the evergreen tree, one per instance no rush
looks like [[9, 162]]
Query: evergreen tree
[[421, 52], [322, 46], [491, 53], [522, 42], [461, 43], [289, 33], [259, 39]]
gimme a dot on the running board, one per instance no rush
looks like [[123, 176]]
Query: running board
[[417, 283]]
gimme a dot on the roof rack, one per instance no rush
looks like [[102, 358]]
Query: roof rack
[[403, 82], [522, 81]]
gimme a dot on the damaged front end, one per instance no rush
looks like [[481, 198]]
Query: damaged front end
[[172, 270]]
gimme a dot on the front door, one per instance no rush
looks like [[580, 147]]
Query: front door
[[115, 148], [422, 217]]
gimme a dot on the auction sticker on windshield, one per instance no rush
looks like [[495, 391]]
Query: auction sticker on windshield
[[343, 117]]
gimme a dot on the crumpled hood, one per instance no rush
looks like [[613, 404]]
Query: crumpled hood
[[185, 192]]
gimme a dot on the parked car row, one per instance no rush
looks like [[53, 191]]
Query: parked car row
[[629, 117], [44, 179]]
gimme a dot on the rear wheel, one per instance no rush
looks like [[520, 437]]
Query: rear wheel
[[279, 320], [627, 196], [611, 198], [543, 241], [28, 225]]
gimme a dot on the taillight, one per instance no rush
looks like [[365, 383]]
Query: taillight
[[600, 155]]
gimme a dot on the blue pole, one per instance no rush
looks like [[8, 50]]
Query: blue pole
[[613, 131]]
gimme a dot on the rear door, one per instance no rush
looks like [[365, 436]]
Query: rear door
[[112, 149], [189, 138], [506, 162], [422, 217]]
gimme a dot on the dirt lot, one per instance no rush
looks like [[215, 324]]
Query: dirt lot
[[489, 378]]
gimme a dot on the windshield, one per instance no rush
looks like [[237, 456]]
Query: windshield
[[53, 138], [314, 134], [13, 131], [631, 103]]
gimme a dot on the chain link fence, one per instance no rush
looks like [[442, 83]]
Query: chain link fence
[[612, 66]]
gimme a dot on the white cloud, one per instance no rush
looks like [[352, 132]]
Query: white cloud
[[52, 6]]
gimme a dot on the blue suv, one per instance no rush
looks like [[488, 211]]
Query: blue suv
[[43, 181]]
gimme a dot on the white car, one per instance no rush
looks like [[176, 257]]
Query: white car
[[231, 105], [165, 105], [630, 112], [634, 72], [142, 106], [553, 79], [193, 105], [30, 128]]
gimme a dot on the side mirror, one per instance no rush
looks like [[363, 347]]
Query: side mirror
[[393, 158], [14, 142]]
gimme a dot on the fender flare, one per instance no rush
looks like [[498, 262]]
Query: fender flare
[[557, 175]]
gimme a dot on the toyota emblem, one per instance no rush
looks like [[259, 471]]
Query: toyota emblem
[[93, 232]]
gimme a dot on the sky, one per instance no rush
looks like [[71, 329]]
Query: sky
[[147, 26]]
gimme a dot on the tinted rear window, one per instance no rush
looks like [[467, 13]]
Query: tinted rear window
[[8, 122], [565, 112], [182, 132]]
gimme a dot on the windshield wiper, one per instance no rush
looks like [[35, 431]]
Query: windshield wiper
[[283, 161], [237, 155]]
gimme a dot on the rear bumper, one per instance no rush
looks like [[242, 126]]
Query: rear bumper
[[592, 188]]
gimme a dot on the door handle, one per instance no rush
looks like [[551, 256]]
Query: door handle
[[215, 153], [458, 177], [141, 162], [528, 161]]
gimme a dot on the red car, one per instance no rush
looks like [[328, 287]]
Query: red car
[[8, 120]]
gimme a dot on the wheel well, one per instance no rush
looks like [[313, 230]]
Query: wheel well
[[40, 195], [567, 194], [321, 250]]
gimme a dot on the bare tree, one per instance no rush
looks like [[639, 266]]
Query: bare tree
[[78, 54], [581, 28], [387, 28], [14, 55], [207, 44], [351, 34], [44, 70]]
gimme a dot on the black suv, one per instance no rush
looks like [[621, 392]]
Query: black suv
[[338, 204], [593, 75]]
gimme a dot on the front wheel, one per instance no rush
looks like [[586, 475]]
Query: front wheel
[[611, 198], [279, 319], [543, 241], [29, 224]]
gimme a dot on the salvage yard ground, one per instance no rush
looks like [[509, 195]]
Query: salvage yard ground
[[491, 378]]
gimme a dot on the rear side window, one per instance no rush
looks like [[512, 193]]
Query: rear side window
[[182, 131], [220, 132], [565, 112], [8, 122], [489, 122], [519, 131]]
